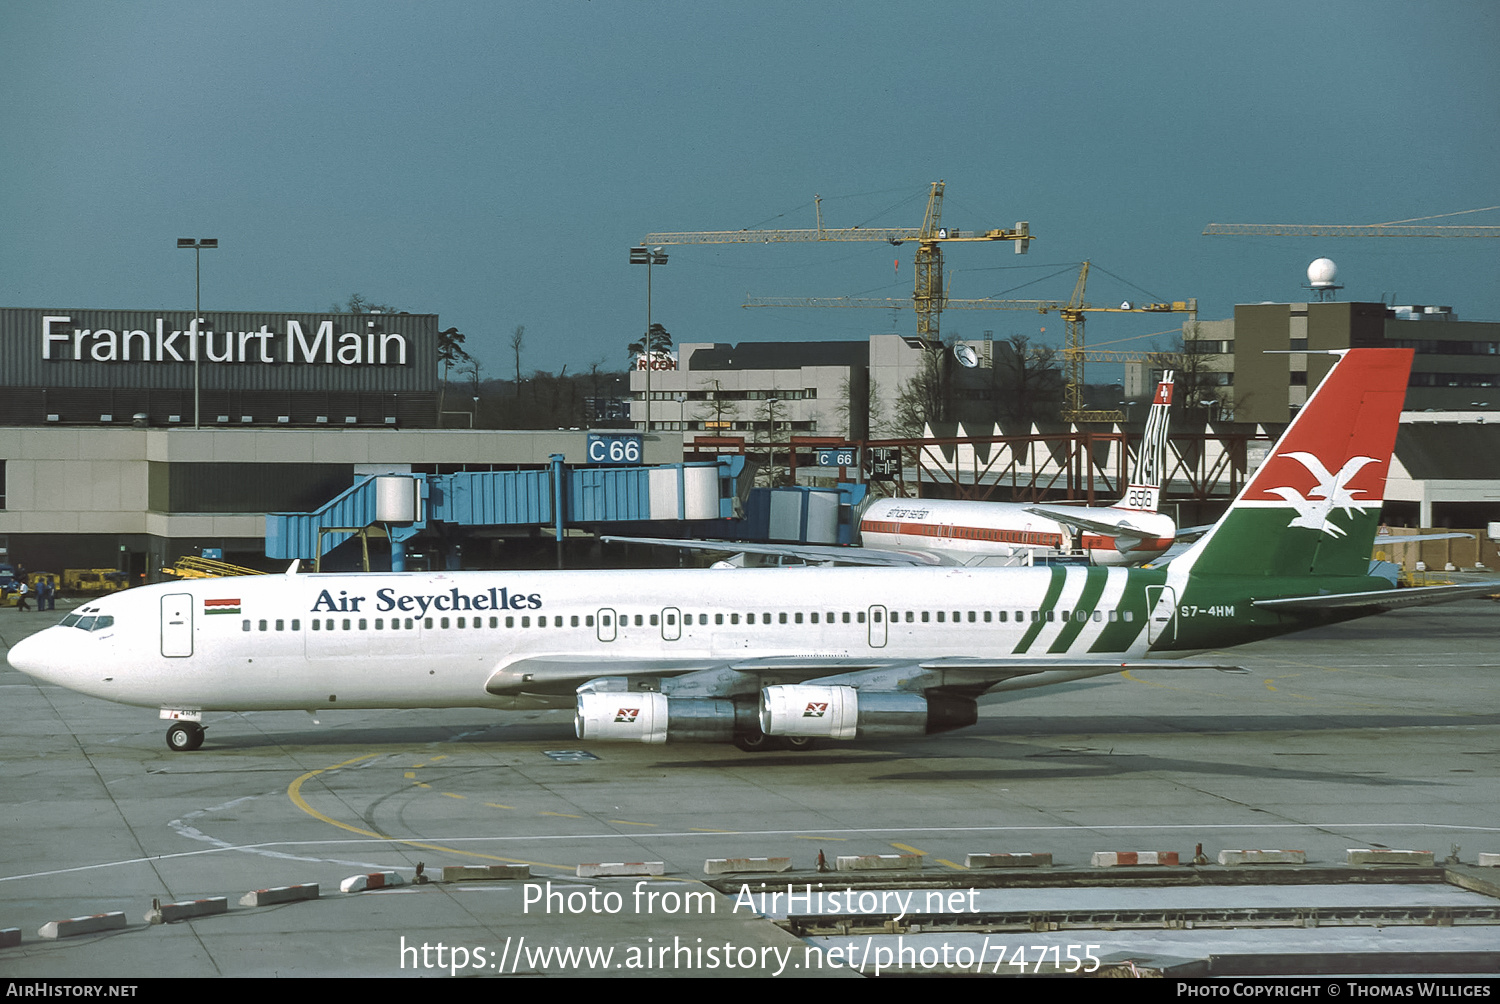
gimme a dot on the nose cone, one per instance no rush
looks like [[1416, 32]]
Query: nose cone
[[39, 655]]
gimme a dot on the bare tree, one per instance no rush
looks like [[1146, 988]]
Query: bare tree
[[859, 403], [358, 304], [767, 413], [1028, 379], [924, 399], [1200, 379], [471, 368], [717, 408], [517, 339]]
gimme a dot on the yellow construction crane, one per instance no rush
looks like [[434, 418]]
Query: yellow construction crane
[[1072, 311], [928, 296], [1396, 228], [1074, 352]]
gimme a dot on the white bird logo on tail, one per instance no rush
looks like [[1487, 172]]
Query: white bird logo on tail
[[1312, 512]]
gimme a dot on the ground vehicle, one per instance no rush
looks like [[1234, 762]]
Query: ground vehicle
[[94, 580]]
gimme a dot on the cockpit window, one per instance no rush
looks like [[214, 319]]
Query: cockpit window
[[88, 622]]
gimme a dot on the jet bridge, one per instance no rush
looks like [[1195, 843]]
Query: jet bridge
[[402, 505]]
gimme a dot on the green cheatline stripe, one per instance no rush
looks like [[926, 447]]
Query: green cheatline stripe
[[1054, 590], [1118, 636], [223, 610], [1093, 588]]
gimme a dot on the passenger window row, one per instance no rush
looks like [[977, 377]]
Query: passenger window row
[[640, 620]]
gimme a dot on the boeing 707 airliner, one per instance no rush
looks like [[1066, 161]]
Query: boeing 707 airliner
[[774, 657]]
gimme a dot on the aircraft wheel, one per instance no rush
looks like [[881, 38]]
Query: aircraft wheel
[[184, 737], [800, 743], [757, 742]]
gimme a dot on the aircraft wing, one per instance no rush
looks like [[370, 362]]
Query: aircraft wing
[[1125, 535], [804, 552], [1384, 599], [562, 675]]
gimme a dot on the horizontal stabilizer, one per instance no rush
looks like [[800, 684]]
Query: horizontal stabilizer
[[1385, 599], [1070, 517], [1387, 539]]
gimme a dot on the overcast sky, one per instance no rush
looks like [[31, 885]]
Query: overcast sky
[[493, 162]]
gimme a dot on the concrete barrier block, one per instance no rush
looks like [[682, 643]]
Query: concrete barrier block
[[622, 868], [1116, 859], [170, 913], [485, 873], [735, 866], [1368, 856], [1489, 860], [1262, 857], [280, 894], [374, 880], [878, 862], [1029, 859], [75, 926]]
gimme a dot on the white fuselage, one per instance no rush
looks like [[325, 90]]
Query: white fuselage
[[1006, 531], [527, 639]]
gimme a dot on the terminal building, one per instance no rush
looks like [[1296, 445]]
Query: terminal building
[[1265, 360], [775, 390], [131, 437]]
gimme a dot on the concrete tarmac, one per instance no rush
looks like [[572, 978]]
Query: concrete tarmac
[[1383, 732]]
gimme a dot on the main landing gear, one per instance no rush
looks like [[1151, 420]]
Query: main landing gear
[[759, 742], [183, 737]]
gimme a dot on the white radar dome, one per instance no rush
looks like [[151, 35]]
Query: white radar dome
[[1321, 273]]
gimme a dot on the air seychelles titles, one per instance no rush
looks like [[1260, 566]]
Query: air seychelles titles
[[386, 600]]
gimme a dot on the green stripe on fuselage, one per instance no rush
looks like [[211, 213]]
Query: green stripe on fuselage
[[1054, 590], [1120, 634], [1093, 588]]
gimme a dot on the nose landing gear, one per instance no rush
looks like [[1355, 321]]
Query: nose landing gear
[[184, 737]]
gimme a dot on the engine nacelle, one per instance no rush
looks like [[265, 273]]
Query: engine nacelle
[[831, 712], [653, 718], [846, 713]]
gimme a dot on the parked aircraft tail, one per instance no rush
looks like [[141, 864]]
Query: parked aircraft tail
[[1314, 506], [1144, 491]]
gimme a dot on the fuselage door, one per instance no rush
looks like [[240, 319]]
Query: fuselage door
[[605, 624], [877, 626], [1161, 623], [671, 624], [177, 625]]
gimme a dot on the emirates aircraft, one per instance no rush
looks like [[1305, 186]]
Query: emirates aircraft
[[1130, 532], [775, 657]]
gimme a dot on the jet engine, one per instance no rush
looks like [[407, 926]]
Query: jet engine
[[657, 718], [846, 713]]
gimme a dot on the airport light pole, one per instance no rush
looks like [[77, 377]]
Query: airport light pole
[[197, 245], [648, 257]]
